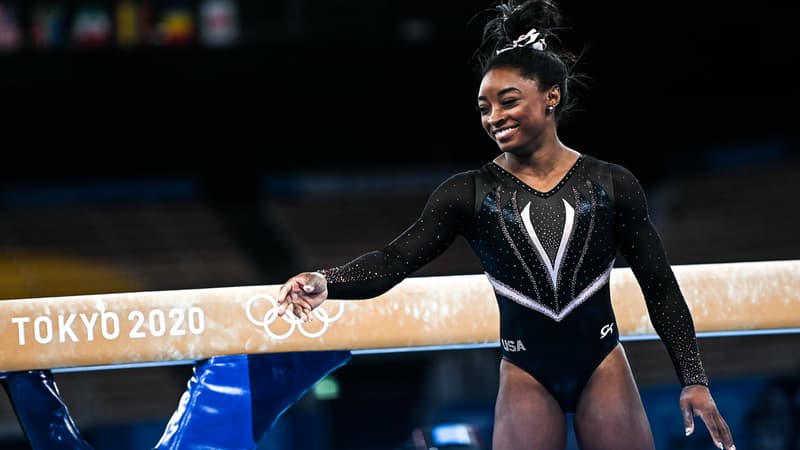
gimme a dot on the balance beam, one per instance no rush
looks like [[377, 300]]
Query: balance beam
[[460, 310]]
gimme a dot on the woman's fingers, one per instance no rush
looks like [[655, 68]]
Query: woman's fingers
[[301, 294], [711, 424], [687, 412], [718, 428], [284, 289], [303, 301], [688, 419], [304, 314], [283, 297], [724, 433]]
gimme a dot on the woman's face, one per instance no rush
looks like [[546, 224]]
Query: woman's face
[[513, 110]]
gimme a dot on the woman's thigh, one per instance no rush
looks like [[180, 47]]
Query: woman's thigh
[[610, 414], [526, 416]]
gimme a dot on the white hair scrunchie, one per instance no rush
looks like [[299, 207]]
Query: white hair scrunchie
[[532, 38]]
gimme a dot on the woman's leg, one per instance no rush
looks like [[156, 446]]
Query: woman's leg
[[610, 414], [526, 416]]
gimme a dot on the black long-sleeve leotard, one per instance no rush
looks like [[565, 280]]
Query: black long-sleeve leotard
[[549, 257]]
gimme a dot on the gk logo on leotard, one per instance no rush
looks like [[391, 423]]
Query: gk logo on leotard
[[606, 330], [292, 322]]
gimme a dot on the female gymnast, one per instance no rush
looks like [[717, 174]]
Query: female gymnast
[[546, 222]]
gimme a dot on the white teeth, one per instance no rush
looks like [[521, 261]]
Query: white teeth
[[504, 132]]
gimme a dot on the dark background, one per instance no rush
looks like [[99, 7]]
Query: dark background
[[318, 135], [334, 84]]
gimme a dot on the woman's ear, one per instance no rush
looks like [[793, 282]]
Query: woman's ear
[[554, 95]]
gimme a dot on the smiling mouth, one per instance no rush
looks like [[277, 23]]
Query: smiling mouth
[[504, 132]]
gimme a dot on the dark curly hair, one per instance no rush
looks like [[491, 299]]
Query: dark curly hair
[[549, 67]]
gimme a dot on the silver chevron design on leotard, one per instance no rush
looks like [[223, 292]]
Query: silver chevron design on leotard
[[518, 297], [552, 267]]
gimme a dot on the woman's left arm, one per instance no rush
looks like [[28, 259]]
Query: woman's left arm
[[641, 246]]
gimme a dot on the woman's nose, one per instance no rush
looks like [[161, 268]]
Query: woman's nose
[[496, 118]]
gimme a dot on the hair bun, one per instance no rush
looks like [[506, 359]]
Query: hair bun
[[510, 19], [518, 17]]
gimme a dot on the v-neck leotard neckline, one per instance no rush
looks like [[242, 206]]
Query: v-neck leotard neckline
[[538, 192]]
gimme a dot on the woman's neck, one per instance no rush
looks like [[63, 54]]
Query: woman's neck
[[541, 162]]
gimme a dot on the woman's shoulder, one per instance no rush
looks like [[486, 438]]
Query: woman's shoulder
[[615, 169], [474, 175]]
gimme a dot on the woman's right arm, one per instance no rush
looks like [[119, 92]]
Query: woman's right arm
[[446, 213]]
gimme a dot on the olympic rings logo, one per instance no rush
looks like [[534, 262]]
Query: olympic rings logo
[[271, 316]]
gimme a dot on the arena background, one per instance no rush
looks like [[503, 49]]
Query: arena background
[[225, 143]]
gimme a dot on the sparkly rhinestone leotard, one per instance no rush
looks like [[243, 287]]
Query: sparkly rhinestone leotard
[[549, 257]]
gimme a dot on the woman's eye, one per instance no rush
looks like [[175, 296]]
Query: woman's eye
[[509, 102], [483, 109]]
